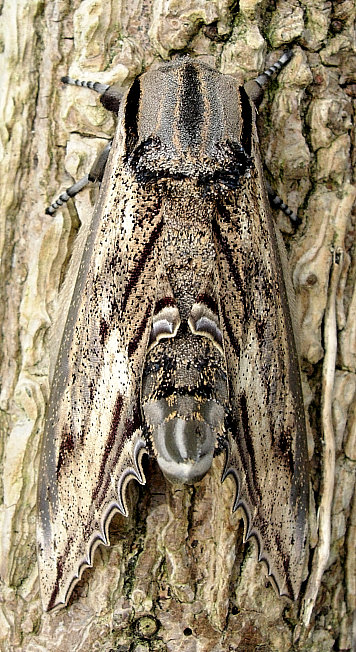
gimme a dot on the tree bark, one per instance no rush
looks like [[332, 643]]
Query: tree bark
[[177, 575]]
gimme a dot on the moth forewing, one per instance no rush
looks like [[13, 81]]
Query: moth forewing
[[93, 441], [267, 447], [179, 338]]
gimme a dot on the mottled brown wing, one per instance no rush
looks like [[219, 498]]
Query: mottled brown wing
[[93, 442], [267, 438]]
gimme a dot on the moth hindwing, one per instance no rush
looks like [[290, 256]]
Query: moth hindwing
[[179, 338]]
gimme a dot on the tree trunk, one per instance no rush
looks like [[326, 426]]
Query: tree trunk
[[177, 575]]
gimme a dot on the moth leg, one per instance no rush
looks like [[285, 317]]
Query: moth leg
[[277, 202], [110, 96], [255, 88], [96, 174], [94, 86]]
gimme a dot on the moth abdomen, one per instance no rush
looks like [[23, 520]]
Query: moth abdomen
[[184, 400]]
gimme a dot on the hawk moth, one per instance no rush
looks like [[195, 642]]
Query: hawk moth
[[179, 339]]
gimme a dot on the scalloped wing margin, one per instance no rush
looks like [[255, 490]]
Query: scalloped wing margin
[[68, 575]]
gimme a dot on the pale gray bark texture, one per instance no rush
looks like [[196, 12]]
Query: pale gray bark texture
[[177, 575]]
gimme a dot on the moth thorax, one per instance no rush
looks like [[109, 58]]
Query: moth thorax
[[184, 435]]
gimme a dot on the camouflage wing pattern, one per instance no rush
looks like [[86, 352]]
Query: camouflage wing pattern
[[93, 440], [266, 440]]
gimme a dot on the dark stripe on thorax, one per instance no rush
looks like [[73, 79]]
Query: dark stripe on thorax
[[191, 107], [246, 119], [131, 116]]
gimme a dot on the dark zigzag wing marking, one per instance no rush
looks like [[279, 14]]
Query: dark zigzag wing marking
[[267, 432]]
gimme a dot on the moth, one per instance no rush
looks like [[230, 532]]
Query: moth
[[179, 341]]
